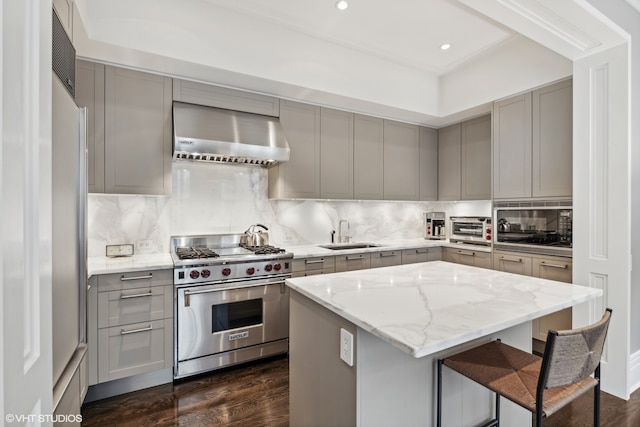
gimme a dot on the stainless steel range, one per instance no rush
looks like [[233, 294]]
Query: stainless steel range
[[232, 305]]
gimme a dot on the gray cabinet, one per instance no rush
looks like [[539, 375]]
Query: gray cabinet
[[358, 261], [475, 150], [449, 146], [411, 256], [552, 141], [467, 257], [300, 176], [130, 129], [130, 324], [336, 154], [138, 132], [368, 157], [533, 144], [512, 147], [401, 161], [428, 180], [302, 267], [386, 258], [222, 97], [546, 267], [464, 160], [90, 94]]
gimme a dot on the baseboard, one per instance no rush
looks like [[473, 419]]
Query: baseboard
[[634, 371]]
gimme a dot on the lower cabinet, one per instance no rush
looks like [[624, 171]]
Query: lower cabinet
[[411, 256], [470, 257], [386, 258], [130, 324], [545, 267], [312, 266], [353, 262]]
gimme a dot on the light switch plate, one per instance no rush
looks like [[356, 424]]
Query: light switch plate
[[119, 250]]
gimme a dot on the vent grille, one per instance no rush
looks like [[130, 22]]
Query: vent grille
[[63, 56], [182, 155], [534, 204]]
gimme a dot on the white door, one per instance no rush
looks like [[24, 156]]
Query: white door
[[601, 203], [25, 213]]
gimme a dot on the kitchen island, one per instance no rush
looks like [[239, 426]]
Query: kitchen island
[[401, 319]]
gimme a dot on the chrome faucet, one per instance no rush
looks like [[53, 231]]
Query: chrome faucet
[[346, 238]]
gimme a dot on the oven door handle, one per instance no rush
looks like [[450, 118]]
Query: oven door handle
[[188, 293]]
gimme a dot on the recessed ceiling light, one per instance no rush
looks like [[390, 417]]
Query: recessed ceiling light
[[445, 46], [342, 4]]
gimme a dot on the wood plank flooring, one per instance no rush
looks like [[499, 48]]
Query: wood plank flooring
[[257, 394]]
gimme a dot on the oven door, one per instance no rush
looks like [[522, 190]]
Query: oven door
[[212, 320], [469, 230]]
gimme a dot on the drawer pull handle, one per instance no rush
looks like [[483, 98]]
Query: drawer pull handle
[[388, 254], [511, 259], [563, 266], [124, 279], [133, 331], [422, 251], [353, 258], [319, 261], [146, 294], [467, 253]]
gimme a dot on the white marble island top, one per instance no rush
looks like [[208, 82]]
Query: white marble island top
[[428, 307]]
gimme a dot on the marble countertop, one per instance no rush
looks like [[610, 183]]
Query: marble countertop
[[104, 265], [306, 251], [428, 307]]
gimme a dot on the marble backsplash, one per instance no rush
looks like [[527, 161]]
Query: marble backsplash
[[212, 198]]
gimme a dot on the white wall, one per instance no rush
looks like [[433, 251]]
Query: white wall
[[215, 198]]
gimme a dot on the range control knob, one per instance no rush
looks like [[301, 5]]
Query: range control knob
[[226, 271], [488, 231], [277, 267], [488, 237], [205, 273], [268, 267], [194, 274], [250, 271]]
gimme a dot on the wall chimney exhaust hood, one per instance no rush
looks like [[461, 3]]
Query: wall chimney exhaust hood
[[215, 135]]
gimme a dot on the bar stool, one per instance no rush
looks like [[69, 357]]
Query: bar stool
[[540, 385]]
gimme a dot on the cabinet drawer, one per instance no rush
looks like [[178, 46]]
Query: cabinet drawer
[[134, 349], [410, 256], [134, 305], [313, 272], [512, 263], [353, 262], [315, 263], [137, 279], [468, 257], [386, 258]]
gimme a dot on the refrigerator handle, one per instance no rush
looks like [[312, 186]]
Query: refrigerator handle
[[82, 223]]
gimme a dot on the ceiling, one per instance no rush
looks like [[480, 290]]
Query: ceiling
[[376, 57]]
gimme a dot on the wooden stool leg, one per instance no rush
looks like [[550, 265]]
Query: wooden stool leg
[[596, 398]]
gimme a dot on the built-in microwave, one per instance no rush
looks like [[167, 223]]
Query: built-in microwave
[[471, 229], [542, 227]]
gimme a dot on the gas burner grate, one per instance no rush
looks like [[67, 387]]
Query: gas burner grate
[[195, 253], [263, 250]]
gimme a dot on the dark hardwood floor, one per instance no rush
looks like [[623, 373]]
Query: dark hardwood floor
[[257, 394]]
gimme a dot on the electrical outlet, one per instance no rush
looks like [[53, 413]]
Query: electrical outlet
[[145, 245], [346, 347]]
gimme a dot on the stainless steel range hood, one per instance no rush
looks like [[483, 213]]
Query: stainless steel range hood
[[224, 136]]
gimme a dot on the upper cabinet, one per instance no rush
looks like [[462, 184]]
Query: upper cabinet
[[129, 129], [300, 176], [368, 157], [428, 180], [553, 140], [532, 144], [336, 154], [222, 97], [464, 160], [90, 94], [401, 161]]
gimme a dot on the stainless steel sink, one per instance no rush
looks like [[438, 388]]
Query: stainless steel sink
[[341, 246]]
